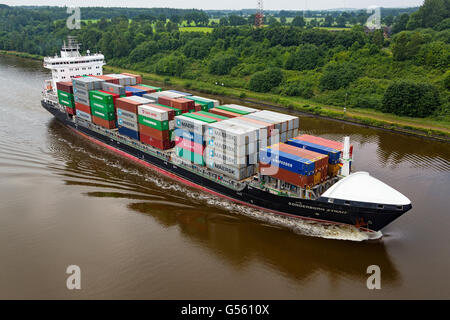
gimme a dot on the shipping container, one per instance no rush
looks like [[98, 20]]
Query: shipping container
[[146, 89], [123, 79], [231, 148], [87, 83], [210, 115], [180, 93], [292, 121], [230, 171], [156, 143], [224, 157], [333, 154], [105, 115], [278, 124], [124, 114], [230, 132], [155, 124], [286, 176], [210, 102], [190, 145], [83, 115], [65, 86], [138, 77], [153, 113], [151, 98], [324, 142], [224, 113], [106, 79], [135, 91], [287, 161], [129, 104], [186, 134], [125, 122], [261, 130], [189, 156], [233, 110], [82, 107], [151, 87], [70, 110], [108, 124], [113, 88], [102, 97], [200, 118], [190, 124], [155, 133], [241, 108], [170, 111], [172, 95], [129, 133]]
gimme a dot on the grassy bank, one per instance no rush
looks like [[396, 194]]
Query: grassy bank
[[423, 127], [22, 55]]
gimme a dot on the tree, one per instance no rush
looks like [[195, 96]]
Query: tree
[[411, 99], [160, 26], [197, 48], [328, 21], [171, 26], [172, 65], [264, 81], [298, 21], [283, 20], [235, 20], [306, 57], [435, 54], [338, 75], [400, 23], [143, 51], [406, 45], [341, 21], [222, 64]]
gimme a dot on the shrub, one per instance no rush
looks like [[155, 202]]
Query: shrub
[[411, 99], [222, 64], [172, 65], [338, 75], [306, 57], [264, 81]]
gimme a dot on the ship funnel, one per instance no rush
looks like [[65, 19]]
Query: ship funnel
[[345, 171]]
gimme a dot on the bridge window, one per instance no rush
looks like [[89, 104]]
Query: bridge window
[[380, 206], [347, 203]]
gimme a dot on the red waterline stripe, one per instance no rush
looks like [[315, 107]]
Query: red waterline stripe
[[194, 185]]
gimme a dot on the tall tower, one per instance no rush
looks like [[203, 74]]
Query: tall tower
[[259, 17]]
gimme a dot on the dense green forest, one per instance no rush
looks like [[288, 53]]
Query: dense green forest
[[401, 69]]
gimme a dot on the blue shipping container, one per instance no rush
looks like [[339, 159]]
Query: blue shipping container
[[185, 134], [333, 154], [129, 133], [287, 161], [135, 91]]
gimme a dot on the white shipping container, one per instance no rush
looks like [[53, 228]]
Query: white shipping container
[[153, 113], [171, 124], [293, 122], [139, 99], [189, 124], [84, 115], [173, 95], [277, 123], [241, 108], [212, 154], [124, 114], [229, 171], [124, 122], [237, 150], [261, 130], [231, 132], [216, 102]]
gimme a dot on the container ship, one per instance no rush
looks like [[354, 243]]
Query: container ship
[[255, 157]]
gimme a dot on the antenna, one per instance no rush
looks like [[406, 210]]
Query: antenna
[[259, 17]]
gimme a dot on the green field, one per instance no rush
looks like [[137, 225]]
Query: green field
[[196, 29]]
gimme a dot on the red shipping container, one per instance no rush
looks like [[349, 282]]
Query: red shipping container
[[166, 101], [198, 107], [107, 79], [171, 112], [157, 143], [108, 124], [65, 86], [189, 145], [154, 133], [115, 95], [111, 124], [128, 93], [190, 103], [82, 107], [70, 111], [224, 113], [324, 142], [287, 176], [127, 105], [138, 77]]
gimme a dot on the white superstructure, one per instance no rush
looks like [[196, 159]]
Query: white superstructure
[[71, 63]]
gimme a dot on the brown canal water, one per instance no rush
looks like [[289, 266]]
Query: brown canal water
[[137, 234]]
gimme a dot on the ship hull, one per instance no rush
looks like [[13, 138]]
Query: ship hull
[[367, 219]]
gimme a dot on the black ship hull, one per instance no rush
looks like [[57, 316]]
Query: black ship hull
[[365, 218]]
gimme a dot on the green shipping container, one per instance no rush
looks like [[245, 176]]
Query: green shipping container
[[205, 104], [151, 87], [213, 115], [101, 97], [200, 118], [66, 102], [65, 95], [105, 107], [102, 114], [232, 110], [178, 112], [155, 124]]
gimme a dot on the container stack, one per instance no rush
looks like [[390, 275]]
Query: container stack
[[303, 179], [331, 148], [189, 137], [205, 103], [114, 88], [154, 128], [65, 96], [123, 79], [81, 88], [136, 91], [232, 149], [127, 115], [185, 105], [286, 125], [136, 76], [102, 108]]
